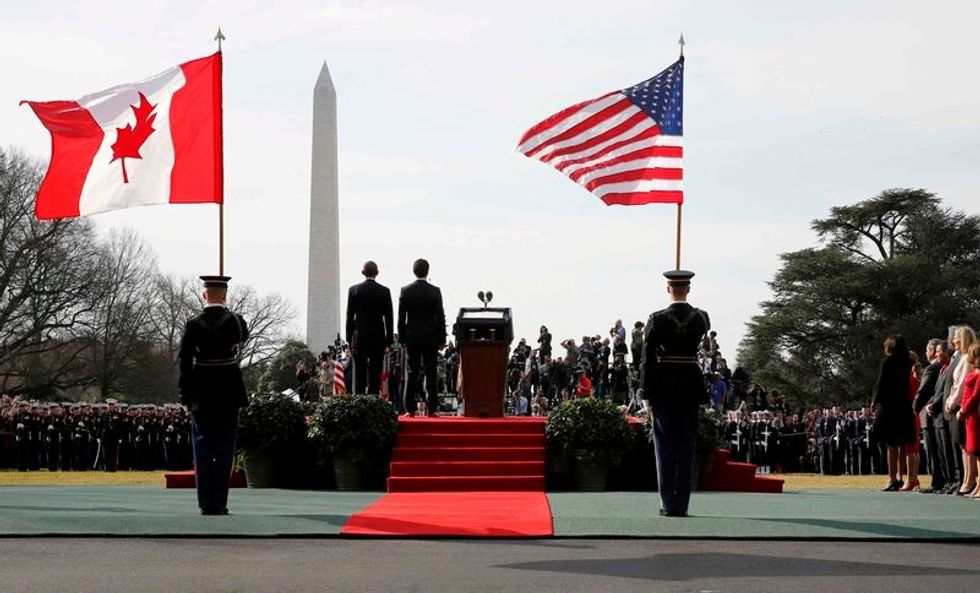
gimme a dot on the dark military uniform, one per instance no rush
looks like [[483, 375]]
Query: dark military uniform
[[674, 386], [111, 437], [212, 387]]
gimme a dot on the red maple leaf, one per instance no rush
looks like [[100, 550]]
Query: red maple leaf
[[130, 139]]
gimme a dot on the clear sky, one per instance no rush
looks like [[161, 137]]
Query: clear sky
[[790, 108]]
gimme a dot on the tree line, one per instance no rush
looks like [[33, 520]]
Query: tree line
[[899, 262], [90, 317]]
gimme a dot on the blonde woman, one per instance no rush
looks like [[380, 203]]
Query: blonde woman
[[963, 340]]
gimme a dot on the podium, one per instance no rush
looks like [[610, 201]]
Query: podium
[[484, 337]]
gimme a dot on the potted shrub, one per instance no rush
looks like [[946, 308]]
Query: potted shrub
[[270, 429], [354, 431], [708, 441], [594, 432]]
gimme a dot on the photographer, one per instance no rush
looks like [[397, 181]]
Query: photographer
[[544, 341]]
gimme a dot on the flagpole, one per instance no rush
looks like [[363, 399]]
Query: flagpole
[[677, 253], [680, 205], [219, 37]]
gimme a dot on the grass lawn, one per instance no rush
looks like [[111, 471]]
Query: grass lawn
[[10, 477]]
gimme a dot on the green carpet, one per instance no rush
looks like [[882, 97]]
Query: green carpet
[[800, 514], [143, 511], [139, 511]]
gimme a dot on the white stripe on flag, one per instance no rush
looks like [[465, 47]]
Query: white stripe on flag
[[601, 127], [602, 156], [585, 112]]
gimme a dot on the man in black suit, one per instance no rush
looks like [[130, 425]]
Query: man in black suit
[[212, 387], [927, 388], [369, 329], [945, 449], [422, 328]]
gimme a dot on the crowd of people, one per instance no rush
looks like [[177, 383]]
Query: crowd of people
[[936, 415], [105, 436]]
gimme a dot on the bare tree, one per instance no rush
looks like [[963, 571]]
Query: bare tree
[[269, 318], [118, 328], [47, 282], [175, 300]]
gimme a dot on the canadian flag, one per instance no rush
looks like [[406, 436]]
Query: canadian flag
[[157, 141]]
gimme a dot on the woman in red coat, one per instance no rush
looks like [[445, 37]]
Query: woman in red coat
[[970, 412]]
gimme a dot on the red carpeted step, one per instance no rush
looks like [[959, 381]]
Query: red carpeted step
[[467, 468], [722, 456], [467, 454], [740, 471], [469, 440], [186, 479], [466, 484], [768, 485], [527, 425]]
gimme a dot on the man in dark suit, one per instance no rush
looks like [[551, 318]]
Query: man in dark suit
[[212, 387], [674, 387], [927, 388], [422, 328], [369, 329], [945, 449]]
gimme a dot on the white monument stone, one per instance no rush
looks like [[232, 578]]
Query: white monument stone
[[323, 299]]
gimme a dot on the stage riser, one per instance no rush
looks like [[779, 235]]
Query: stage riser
[[468, 454], [470, 426], [467, 468], [467, 484], [470, 440]]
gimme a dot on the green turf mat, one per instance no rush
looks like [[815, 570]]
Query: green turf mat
[[803, 514], [153, 511]]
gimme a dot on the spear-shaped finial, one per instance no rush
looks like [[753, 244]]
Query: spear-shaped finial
[[219, 37], [680, 42]]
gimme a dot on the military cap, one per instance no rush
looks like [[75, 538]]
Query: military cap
[[111, 401], [678, 277], [215, 281]]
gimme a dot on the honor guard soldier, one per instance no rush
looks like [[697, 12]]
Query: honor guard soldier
[[111, 435], [674, 387], [212, 387]]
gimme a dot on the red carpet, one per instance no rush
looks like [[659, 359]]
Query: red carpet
[[473, 514]]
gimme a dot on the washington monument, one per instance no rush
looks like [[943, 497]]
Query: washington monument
[[323, 298]]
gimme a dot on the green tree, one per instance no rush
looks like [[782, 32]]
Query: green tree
[[897, 263], [280, 370]]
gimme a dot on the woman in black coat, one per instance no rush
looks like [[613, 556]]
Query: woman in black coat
[[894, 419]]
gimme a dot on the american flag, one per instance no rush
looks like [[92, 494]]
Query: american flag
[[626, 147], [339, 384]]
